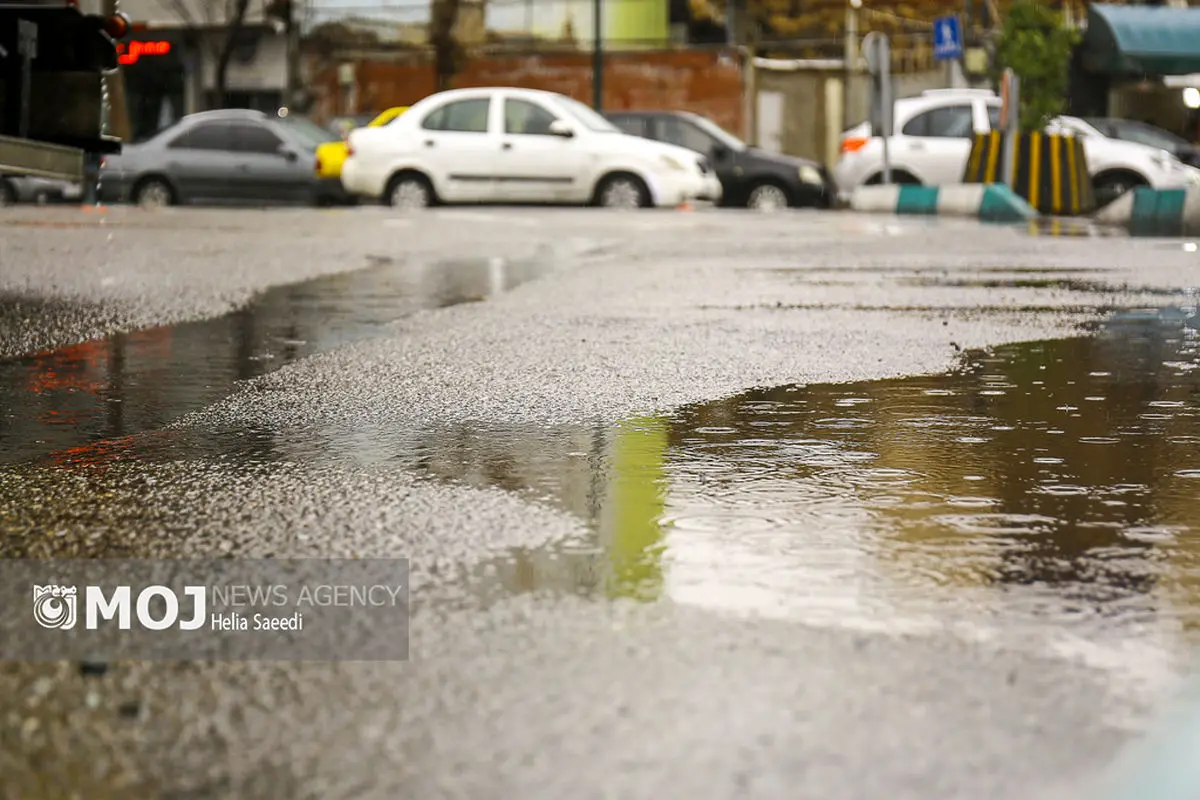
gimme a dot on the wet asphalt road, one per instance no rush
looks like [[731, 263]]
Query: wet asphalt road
[[519, 686]]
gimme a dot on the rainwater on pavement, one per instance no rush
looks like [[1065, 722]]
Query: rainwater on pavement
[[1045, 485]]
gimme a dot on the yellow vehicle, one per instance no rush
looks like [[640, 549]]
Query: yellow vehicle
[[331, 155]]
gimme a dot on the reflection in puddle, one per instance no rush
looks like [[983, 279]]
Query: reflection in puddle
[[939, 499], [61, 401]]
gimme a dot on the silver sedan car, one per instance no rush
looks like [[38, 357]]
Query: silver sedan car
[[226, 157]]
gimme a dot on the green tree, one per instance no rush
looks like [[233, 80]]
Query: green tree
[[1036, 45]]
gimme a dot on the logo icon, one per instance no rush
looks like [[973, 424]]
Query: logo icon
[[54, 606]]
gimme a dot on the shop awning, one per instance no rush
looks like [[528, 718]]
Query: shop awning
[[1142, 40]]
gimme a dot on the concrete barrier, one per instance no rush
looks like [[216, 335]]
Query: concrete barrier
[[1155, 212], [991, 203]]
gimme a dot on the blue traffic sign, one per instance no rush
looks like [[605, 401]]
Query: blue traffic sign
[[947, 39]]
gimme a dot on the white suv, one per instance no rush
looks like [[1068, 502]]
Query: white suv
[[933, 142]]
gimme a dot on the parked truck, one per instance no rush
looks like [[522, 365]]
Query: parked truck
[[54, 55]]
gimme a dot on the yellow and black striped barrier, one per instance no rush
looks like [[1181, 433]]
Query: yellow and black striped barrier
[[1052, 170]]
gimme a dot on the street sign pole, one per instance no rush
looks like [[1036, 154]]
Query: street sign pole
[[1010, 121], [886, 103], [879, 64]]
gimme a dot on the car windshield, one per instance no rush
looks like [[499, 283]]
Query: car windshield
[[309, 133], [591, 120], [717, 132], [1147, 134]]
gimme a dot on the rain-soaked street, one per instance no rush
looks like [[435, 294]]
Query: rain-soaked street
[[697, 505]]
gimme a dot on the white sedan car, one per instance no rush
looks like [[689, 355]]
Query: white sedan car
[[500, 145], [933, 140]]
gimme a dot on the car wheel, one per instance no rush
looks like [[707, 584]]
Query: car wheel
[[899, 178], [622, 191], [767, 197], [153, 193], [1107, 188], [409, 192], [8, 195]]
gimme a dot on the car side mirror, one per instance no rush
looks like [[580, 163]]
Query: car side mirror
[[560, 128], [288, 154], [720, 152]]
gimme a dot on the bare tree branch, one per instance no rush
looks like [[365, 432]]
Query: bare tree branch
[[233, 26]]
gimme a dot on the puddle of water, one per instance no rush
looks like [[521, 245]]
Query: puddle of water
[[1046, 489], [1044, 486], [105, 389], [1064, 498]]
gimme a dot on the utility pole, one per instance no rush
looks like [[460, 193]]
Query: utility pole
[[745, 36], [597, 57]]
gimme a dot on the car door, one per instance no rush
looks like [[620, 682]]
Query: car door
[[269, 170], [535, 165], [202, 162], [458, 148], [936, 143]]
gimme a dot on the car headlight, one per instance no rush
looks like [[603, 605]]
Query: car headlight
[[672, 163], [809, 174]]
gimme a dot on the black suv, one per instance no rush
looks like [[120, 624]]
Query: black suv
[[749, 177]]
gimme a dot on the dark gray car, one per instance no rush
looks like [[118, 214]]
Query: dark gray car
[[227, 157], [1143, 133]]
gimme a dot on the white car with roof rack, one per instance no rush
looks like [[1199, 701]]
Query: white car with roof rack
[[506, 145], [934, 133]]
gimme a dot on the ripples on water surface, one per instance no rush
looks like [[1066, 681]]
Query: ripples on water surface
[[1041, 488], [1045, 487]]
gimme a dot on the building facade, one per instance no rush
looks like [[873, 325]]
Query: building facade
[[170, 62]]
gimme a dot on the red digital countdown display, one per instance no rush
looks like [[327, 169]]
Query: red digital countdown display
[[129, 53]]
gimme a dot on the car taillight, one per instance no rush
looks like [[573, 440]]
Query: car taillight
[[103, 162], [317, 167], [853, 144], [349, 148]]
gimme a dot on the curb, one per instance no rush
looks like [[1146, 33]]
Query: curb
[[1154, 212], [990, 203]]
